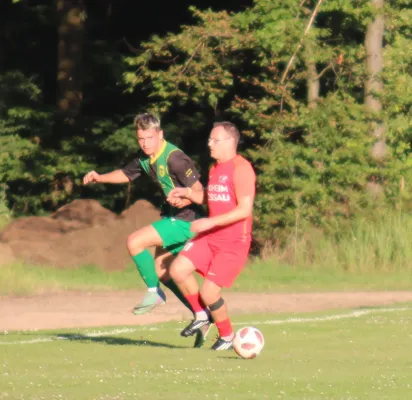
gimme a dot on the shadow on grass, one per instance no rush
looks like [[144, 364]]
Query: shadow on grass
[[117, 341], [234, 357]]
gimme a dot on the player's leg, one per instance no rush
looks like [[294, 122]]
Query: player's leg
[[191, 290], [211, 294], [163, 260], [174, 233], [137, 244], [170, 233], [181, 272], [227, 263], [197, 253]]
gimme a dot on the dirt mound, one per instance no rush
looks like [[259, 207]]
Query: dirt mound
[[141, 212], [81, 233], [30, 228], [77, 215], [39, 252], [87, 212]]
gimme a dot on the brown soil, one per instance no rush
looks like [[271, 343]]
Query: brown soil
[[80, 233], [69, 310]]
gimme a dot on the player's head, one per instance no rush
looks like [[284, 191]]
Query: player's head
[[149, 134], [223, 140]]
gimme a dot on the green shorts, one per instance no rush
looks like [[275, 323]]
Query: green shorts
[[174, 233]]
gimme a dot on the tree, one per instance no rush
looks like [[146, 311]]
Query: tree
[[71, 15], [260, 68], [373, 81]]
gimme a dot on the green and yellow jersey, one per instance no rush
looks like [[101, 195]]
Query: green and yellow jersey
[[170, 168]]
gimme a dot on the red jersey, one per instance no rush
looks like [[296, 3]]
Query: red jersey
[[229, 181]]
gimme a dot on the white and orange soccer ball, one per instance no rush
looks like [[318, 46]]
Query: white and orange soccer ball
[[248, 342]]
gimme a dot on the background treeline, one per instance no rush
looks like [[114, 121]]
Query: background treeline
[[322, 91]]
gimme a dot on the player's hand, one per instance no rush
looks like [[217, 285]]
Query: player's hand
[[177, 193], [202, 225], [177, 202], [91, 177]]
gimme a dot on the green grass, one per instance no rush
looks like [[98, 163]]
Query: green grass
[[20, 279], [379, 243], [273, 276], [4, 221], [360, 356]]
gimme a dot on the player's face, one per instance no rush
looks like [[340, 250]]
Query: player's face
[[220, 143], [150, 141]]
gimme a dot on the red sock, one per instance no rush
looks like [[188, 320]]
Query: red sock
[[195, 301], [224, 327]]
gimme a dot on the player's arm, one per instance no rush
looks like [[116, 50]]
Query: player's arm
[[185, 172], [243, 210], [117, 176], [130, 172], [245, 184], [197, 194]]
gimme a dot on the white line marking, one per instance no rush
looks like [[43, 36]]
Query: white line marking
[[353, 314], [85, 335]]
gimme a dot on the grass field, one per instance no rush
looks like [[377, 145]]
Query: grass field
[[354, 354], [19, 279]]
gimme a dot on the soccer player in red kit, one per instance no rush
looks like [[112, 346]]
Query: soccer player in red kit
[[221, 246]]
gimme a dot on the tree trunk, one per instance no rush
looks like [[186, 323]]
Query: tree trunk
[[71, 17], [312, 79], [373, 82]]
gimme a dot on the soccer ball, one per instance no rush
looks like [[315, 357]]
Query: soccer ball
[[248, 342]]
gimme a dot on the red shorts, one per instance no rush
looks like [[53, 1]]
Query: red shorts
[[219, 262]]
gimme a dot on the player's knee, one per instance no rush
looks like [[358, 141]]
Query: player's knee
[[210, 292], [175, 272], [130, 242], [209, 297], [178, 271], [134, 243]]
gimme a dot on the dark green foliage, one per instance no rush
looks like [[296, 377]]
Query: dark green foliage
[[314, 163], [312, 155]]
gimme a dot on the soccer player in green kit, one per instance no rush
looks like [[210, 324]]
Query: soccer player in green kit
[[170, 167]]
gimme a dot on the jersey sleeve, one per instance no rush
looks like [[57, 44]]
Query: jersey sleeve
[[133, 170], [244, 179], [182, 168]]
